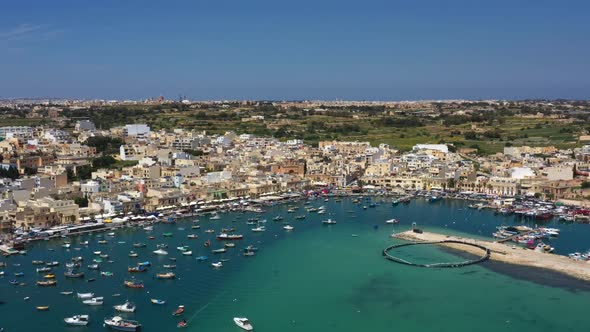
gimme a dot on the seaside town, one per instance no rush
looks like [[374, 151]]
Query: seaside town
[[75, 179], [55, 177]]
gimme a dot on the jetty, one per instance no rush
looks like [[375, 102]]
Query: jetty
[[504, 253]]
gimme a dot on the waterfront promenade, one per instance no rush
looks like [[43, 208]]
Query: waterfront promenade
[[508, 254]]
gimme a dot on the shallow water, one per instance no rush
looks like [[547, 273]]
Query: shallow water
[[315, 278]]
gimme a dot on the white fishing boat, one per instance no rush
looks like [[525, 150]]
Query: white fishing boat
[[125, 307], [243, 323], [120, 324], [329, 221], [160, 252], [94, 301], [77, 320], [85, 295]]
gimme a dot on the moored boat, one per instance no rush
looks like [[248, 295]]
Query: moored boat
[[225, 236], [46, 283], [125, 307], [157, 301], [120, 324], [167, 275], [95, 301], [77, 320], [133, 284], [179, 311]]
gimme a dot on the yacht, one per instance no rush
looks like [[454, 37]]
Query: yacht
[[77, 320]]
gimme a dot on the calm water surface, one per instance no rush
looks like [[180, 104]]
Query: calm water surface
[[315, 278]]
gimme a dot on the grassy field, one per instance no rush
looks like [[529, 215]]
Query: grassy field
[[313, 128]]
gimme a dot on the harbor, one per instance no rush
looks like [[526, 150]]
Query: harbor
[[337, 264]]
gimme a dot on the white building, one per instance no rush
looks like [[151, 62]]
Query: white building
[[139, 131]]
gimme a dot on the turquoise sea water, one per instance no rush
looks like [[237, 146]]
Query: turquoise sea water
[[315, 278]]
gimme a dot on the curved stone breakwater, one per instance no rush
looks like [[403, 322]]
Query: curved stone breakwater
[[505, 253], [392, 258]]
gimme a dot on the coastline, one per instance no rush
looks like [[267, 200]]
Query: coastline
[[504, 253]]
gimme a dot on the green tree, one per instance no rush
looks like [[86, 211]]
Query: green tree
[[81, 201]]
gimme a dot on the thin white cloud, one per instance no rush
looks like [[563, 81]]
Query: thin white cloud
[[27, 31]]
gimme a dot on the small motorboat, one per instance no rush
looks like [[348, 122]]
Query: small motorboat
[[97, 253], [201, 258], [67, 293], [160, 252], [167, 234], [329, 221], [73, 274], [137, 269], [84, 296], [77, 320], [179, 311], [157, 301], [219, 251], [192, 236], [169, 266], [95, 301], [243, 323], [230, 245], [133, 283], [46, 283], [187, 253], [139, 245], [132, 254], [50, 264], [91, 280], [43, 269], [38, 262], [167, 275], [106, 274], [125, 307], [251, 248], [217, 264], [19, 274], [288, 227], [207, 243], [120, 324], [182, 324], [42, 308], [391, 221], [93, 267]]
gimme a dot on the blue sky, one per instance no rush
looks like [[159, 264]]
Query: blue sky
[[250, 49]]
